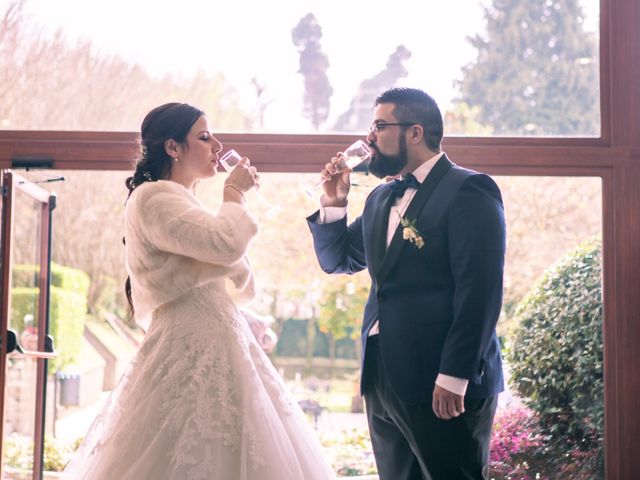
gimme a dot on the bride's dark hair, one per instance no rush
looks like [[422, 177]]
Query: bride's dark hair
[[168, 121]]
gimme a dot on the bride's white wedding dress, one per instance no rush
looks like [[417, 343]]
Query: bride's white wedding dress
[[201, 400]]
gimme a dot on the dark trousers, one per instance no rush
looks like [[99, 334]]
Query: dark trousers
[[411, 443]]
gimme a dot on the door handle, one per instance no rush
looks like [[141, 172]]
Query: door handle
[[14, 346]]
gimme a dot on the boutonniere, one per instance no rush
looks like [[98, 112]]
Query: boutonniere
[[410, 232]]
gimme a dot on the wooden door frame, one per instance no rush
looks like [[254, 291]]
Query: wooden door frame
[[10, 184]]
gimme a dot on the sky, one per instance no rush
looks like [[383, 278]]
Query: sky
[[247, 38]]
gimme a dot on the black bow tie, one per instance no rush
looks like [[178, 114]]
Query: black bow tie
[[398, 187]]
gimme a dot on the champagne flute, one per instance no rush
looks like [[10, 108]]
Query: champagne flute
[[230, 160], [353, 156]]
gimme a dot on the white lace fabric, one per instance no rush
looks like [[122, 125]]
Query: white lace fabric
[[201, 400]]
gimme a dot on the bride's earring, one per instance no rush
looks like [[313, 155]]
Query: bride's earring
[[176, 159]]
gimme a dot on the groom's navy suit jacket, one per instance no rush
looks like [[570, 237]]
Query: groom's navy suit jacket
[[437, 305]]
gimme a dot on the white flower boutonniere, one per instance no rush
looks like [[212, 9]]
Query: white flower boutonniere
[[410, 232]]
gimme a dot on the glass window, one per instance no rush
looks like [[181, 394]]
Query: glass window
[[552, 294], [502, 68]]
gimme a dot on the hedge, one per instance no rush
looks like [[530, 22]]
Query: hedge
[[63, 277], [292, 342], [68, 307], [556, 358]]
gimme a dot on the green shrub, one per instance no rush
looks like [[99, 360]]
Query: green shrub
[[292, 342], [24, 302], [70, 279], [18, 454], [24, 276], [63, 277], [68, 311], [556, 358], [68, 307]]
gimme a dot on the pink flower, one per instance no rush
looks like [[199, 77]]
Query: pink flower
[[514, 441]]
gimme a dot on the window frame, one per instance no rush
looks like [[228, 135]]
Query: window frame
[[614, 157]]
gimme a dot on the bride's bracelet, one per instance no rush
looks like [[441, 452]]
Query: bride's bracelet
[[230, 185]]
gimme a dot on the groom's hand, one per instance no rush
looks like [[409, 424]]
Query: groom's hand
[[447, 405], [337, 183]]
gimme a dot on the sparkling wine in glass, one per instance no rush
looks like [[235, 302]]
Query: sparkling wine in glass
[[353, 156], [230, 160]]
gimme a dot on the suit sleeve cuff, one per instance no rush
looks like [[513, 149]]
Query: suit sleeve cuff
[[453, 384], [331, 214]]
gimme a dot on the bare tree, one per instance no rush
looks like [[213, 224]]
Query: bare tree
[[262, 100], [546, 218], [49, 83]]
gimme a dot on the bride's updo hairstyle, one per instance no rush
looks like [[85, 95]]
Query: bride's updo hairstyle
[[168, 121]]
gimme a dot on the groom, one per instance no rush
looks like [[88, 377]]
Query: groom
[[434, 245]]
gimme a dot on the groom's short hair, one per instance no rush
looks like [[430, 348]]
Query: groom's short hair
[[413, 105]]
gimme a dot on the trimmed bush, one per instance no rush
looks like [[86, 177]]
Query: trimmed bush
[[24, 276], [63, 277], [24, 302], [292, 342], [68, 308], [68, 311], [556, 359]]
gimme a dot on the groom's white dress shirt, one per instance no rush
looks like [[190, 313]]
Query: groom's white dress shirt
[[333, 214]]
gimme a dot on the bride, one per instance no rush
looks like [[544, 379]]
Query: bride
[[201, 399]]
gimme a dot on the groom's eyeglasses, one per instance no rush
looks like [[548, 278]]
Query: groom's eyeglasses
[[377, 127]]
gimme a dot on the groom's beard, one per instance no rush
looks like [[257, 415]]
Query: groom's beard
[[382, 165]]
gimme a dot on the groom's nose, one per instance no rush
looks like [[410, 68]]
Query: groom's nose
[[371, 137]]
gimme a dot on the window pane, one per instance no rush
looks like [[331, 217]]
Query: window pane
[[503, 68], [317, 316], [551, 326]]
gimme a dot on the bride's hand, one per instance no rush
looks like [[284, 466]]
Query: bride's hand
[[243, 176]]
